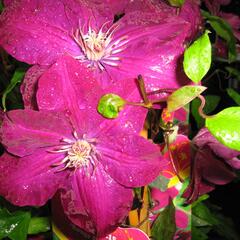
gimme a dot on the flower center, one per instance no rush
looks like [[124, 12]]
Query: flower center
[[79, 152], [100, 47], [94, 45]]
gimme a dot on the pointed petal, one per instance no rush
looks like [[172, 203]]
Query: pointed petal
[[25, 131], [70, 86], [95, 202], [155, 50], [43, 30], [131, 160], [29, 180]]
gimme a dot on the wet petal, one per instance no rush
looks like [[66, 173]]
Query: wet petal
[[95, 202], [29, 86], [29, 180], [41, 32], [130, 159], [155, 51], [25, 131], [70, 86]]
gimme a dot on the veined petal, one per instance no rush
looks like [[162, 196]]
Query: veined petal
[[25, 131], [95, 202], [40, 33], [70, 86], [130, 159], [29, 86], [153, 50], [30, 180], [43, 31]]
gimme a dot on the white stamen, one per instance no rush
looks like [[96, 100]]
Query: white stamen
[[78, 154], [99, 46]]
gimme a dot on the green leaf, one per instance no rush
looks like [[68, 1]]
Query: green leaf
[[176, 3], [234, 72], [202, 212], [200, 199], [224, 30], [182, 96], [17, 78], [164, 226], [110, 105], [39, 225], [14, 225], [212, 102], [204, 217], [197, 58], [225, 127], [1, 6], [197, 234], [234, 95]]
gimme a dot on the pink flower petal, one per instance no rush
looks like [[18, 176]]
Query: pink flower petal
[[153, 9], [7, 2], [180, 150], [25, 131], [126, 234], [130, 159], [95, 202], [190, 12], [70, 86], [181, 219], [29, 86], [215, 170], [29, 180], [205, 138], [154, 49], [234, 21], [161, 198], [41, 32]]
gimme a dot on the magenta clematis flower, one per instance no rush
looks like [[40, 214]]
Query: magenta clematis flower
[[213, 164], [67, 145], [150, 45]]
